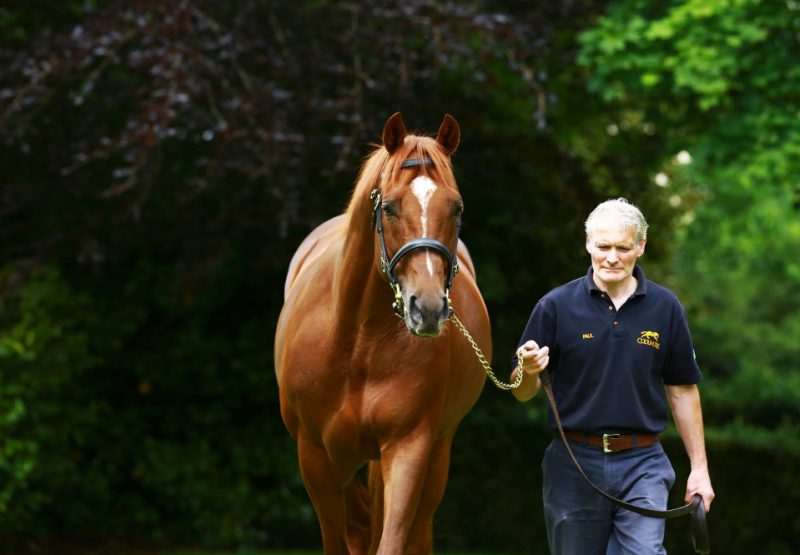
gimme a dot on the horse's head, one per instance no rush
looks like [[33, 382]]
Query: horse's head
[[417, 214]]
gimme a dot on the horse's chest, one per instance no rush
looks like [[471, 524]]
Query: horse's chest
[[391, 402], [347, 436]]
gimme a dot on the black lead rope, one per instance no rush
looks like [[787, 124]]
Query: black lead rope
[[695, 507]]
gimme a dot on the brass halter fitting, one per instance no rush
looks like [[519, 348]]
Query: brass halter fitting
[[397, 305]]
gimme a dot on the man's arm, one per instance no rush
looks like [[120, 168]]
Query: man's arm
[[684, 401]]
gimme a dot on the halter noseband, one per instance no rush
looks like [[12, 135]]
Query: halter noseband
[[422, 243]]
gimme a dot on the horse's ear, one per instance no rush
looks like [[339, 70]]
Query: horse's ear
[[394, 132], [449, 134]]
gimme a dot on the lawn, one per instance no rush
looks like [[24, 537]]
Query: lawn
[[284, 552]]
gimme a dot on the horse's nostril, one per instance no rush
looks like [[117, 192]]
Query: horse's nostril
[[427, 307]]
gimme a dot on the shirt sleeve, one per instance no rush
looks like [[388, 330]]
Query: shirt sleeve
[[681, 366], [540, 328]]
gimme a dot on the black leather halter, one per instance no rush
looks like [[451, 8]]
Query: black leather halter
[[388, 265]]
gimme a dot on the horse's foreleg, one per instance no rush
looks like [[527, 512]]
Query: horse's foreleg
[[358, 517], [420, 538], [404, 467], [376, 504], [324, 486]]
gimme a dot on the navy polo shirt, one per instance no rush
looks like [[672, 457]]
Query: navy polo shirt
[[609, 367]]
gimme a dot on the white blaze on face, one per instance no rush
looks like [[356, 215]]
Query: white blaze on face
[[423, 188]]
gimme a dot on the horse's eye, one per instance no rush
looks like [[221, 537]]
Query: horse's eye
[[458, 209], [388, 208]]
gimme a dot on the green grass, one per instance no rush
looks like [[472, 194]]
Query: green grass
[[284, 552]]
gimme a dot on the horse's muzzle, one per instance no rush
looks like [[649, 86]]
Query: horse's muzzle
[[426, 314]]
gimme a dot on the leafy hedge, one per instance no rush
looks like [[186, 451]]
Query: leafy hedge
[[115, 426]]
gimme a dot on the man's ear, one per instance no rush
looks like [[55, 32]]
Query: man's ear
[[641, 247]]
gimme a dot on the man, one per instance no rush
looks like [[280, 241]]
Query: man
[[618, 349]]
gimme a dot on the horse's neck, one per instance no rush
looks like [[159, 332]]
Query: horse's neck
[[357, 283]]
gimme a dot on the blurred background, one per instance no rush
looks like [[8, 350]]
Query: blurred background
[[161, 160]]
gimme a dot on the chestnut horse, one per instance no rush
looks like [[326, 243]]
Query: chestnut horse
[[360, 386]]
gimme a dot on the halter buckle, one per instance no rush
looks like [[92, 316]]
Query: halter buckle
[[375, 197]]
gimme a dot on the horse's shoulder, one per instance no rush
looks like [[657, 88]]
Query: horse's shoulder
[[465, 263], [312, 247]]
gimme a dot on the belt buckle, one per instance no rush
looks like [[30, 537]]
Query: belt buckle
[[606, 437]]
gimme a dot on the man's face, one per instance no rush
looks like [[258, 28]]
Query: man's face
[[614, 252]]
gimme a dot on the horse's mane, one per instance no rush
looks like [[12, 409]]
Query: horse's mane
[[380, 167]]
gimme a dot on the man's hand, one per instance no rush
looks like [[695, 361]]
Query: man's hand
[[530, 360], [534, 359], [700, 483]]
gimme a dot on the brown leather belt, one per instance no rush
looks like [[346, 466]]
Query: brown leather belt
[[613, 443]]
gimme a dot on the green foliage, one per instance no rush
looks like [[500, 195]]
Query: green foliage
[[696, 49], [43, 348], [104, 415], [720, 76]]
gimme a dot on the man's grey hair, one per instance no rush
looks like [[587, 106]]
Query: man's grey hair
[[620, 212]]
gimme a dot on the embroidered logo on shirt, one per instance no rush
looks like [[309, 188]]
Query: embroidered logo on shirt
[[587, 336], [649, 338]]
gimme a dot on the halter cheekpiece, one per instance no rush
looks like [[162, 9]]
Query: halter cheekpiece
[[388, 265]]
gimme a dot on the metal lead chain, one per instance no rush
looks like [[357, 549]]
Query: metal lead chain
[[485, 363]]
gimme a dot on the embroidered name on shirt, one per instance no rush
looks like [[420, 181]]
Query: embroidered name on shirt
[[649, 338], [588, 336]]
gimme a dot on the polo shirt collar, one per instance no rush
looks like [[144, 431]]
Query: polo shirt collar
[[638, 273]]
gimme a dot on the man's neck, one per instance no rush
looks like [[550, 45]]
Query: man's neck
[[620, 292]]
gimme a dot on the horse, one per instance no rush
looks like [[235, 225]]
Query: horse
[[372, 382]]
